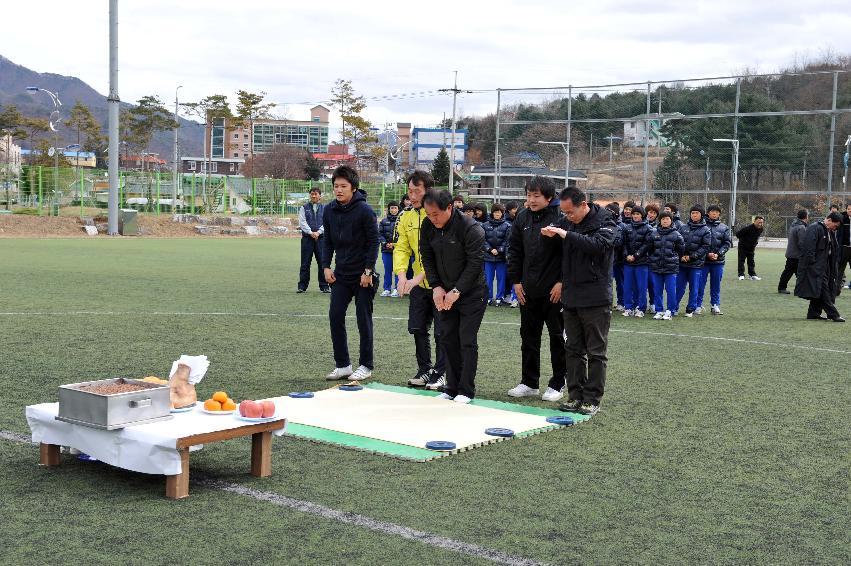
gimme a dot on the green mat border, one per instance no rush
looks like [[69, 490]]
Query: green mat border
[[414, 453]]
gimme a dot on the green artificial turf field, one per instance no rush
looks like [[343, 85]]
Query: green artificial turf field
[[720, 439]]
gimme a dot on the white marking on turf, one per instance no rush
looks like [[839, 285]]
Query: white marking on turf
[[355, 519], [401, 318]]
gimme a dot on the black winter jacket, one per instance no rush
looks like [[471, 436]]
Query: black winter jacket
[[586, 259], [452, 255], [351, 231], [748, 237], [496, 237], [720, 240], [845, 230], [795, 241], [387, 232], [696, 237], [668, 247], [819, 263], [618, 244], [534, 260], [637, 242]]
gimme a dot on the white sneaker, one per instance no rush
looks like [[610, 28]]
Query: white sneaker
[[652, 309], [446, 396], [689, 314], [667, 316], [463, 399], [394, 293], [699, 310], [716, 309], [385, 293], [627, 312], [551, 395], [515, 303], [523, 390], [361, 373], [756, 278], [658, 316], [638, 314], [339, 373], [741, 277], [619, 308]]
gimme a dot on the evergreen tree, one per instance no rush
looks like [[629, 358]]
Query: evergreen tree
[[312, 168], [440, 168], [89, 132]]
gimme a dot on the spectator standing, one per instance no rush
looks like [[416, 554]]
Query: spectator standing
[[720, 243], [351, 234], [794, 245], [844, 234], [451, 247], [310, 223], [818, 269], [617, 265], [668, 247], [748, 239], [534, 269], [696, 236], [637, 245], [387, 237], [494, 250]]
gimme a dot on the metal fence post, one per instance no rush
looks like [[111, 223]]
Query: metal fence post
[[225, 196], [40, 191], [832, 143], [158, 195], [646, 145], [121, 181], [81, 193], [193, 193]]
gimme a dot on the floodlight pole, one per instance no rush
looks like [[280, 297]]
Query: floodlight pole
[[113, 102]]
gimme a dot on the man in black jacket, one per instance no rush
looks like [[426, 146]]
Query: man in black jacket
[[588, 235], [451, 249], [845, 242], [794, 244], [748, 239], [351, 232], [818, 269], [534, 269]]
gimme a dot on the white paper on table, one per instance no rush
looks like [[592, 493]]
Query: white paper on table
[[197, 367]]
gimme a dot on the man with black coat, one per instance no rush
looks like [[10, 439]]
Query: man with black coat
[[534, 268], [794, 245], [748, 239], [845, 243], [818, 269], [451, 248], [588, 234], [351, 232], [310, 223]]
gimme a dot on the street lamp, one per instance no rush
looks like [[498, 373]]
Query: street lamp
[[54, 119], [735, 175]]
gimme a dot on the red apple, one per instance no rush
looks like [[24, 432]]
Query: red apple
[[268, 409], [251, 409]]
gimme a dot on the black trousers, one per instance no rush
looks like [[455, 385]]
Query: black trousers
[[789, 270], [459, 338], [421, 314], [310, 249], [744, 254], [533, 315], [342, 292], [824, 303], [844, 262], [587, 331]]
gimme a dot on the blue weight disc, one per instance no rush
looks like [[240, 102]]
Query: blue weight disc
[[503, 432], [350, 387], [301, 394], [560, 420], [440, 445]]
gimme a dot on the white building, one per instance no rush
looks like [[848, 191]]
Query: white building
[[635, 132]]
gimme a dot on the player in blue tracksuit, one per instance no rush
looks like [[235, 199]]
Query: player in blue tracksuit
[[637, 246], [720, 242], [668, 247], [617, 265], [696, 236], [494, 248]]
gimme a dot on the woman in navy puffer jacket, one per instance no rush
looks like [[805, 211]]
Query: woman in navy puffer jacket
[[496, 242], [668, 248]]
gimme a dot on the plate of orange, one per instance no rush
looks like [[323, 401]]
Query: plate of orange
[[219, 404]]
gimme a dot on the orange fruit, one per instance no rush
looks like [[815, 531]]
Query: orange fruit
[[228, 405], [212, 405], [220, 396]]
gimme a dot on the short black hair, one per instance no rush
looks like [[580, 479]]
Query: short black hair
[[423, 178], [639, 210], [614, 207], [316, 189], [712, 207], [665, 215], [458, 198], [543, 185], [575, 196], [629, 204], [834, 217], [758, 217], [441, 198], [392, 203], [347, 173], [511, 205], [481, 206], [652, 206], [496, 206], [672, 206], [834, 206], [803, 214], [696, 208]]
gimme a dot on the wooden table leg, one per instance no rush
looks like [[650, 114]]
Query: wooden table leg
[[261, 454], [48, 454], [177, 487]]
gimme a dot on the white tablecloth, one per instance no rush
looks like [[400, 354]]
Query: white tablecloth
[[149, 448]]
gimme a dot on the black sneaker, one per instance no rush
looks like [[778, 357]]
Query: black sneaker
[[300, 290], [436, 381], [418, 380], [325, 289], [571, 406], [783, 292], [589, 409]]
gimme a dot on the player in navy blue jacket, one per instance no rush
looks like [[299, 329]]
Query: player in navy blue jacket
[[720, 242], [668, 247], [696, 236], [617, 265], [494, 248], [637, 246]]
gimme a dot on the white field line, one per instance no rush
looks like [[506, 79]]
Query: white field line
[[350, 518], [399, 318]]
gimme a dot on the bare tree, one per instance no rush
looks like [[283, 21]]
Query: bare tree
[[281, 162]]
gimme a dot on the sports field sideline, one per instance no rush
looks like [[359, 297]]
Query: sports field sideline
[[720, 439]]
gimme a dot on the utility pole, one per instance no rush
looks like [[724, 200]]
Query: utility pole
[[455, 92], [113, 103]]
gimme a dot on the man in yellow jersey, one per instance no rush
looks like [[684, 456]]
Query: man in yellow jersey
[[421, 309]]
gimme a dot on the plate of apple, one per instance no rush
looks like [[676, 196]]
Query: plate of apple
[[257, 411]]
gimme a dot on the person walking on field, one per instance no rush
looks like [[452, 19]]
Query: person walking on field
[[794, 244], [818, 269], [351, 233], [310, 223], [748, 239]]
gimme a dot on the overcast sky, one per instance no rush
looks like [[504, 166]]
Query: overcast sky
[[294, 51]]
